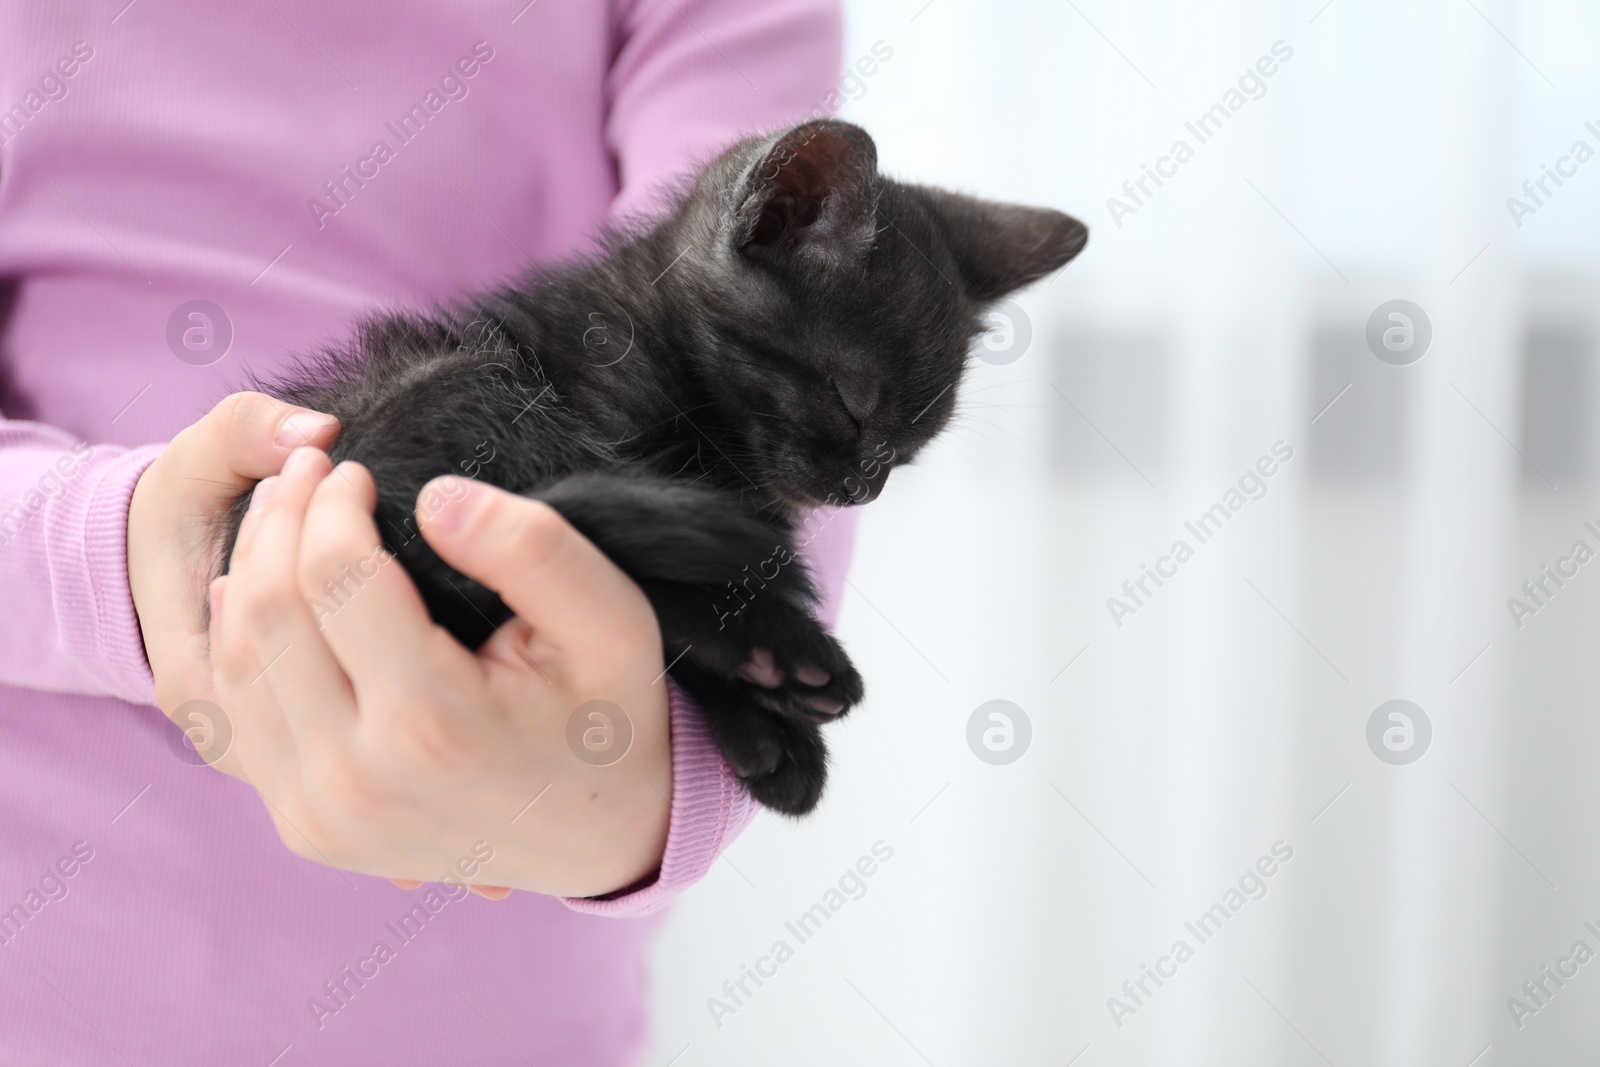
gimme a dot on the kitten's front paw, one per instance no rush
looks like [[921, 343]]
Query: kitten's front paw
[[766, 685], [803, 680], [781, 760]]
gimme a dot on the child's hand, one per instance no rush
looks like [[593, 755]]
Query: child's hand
[[172, 524], [382, 745]]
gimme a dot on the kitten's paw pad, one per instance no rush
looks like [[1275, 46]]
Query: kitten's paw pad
[[812, 676], [755, 757], [819, 683], [825, 706], [761, 668]]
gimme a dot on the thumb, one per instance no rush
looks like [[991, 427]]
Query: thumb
[[244, 439], [553, 577]]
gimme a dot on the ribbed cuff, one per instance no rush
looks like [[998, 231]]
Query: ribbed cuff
[[710, 808], [99, 614]]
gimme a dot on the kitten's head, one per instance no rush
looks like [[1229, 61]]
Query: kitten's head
[[835, 307]]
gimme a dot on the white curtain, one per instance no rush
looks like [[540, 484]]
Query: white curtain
[[1174, 746]]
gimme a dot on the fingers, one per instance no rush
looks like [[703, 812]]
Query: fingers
[[252, 520], [172, 528], [245, 438], [553, 577], [263, 750], [369, 612], [264, 599], [228, 761]]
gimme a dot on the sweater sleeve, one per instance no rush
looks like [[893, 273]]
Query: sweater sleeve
[[691, 76], [69, 625]]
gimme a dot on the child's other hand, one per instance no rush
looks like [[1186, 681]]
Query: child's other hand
[[172, 526]]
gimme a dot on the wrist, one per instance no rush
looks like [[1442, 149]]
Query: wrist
[[709, 807], [628, 808]]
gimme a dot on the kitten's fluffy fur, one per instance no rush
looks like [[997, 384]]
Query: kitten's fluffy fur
[[789, 334]]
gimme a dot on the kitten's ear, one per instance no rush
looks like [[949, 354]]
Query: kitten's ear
[[808, 198], [1001, 247]]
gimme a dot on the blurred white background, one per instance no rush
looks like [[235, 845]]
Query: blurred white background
[[1227, 313]]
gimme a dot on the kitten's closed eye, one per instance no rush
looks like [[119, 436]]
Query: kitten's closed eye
[[860, 394]]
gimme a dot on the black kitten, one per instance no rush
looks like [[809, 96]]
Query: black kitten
[[790, 333]]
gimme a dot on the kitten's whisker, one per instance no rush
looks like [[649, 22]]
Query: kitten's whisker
[[968, 417], [969, 390], [966, 411], [967, 428], [1016, 407]]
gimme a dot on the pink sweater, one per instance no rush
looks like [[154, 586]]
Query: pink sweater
[[296, 163]]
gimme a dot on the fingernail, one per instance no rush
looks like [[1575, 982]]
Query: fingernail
[[263, 489], [299, 461], [302, 427], [446, 503]]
